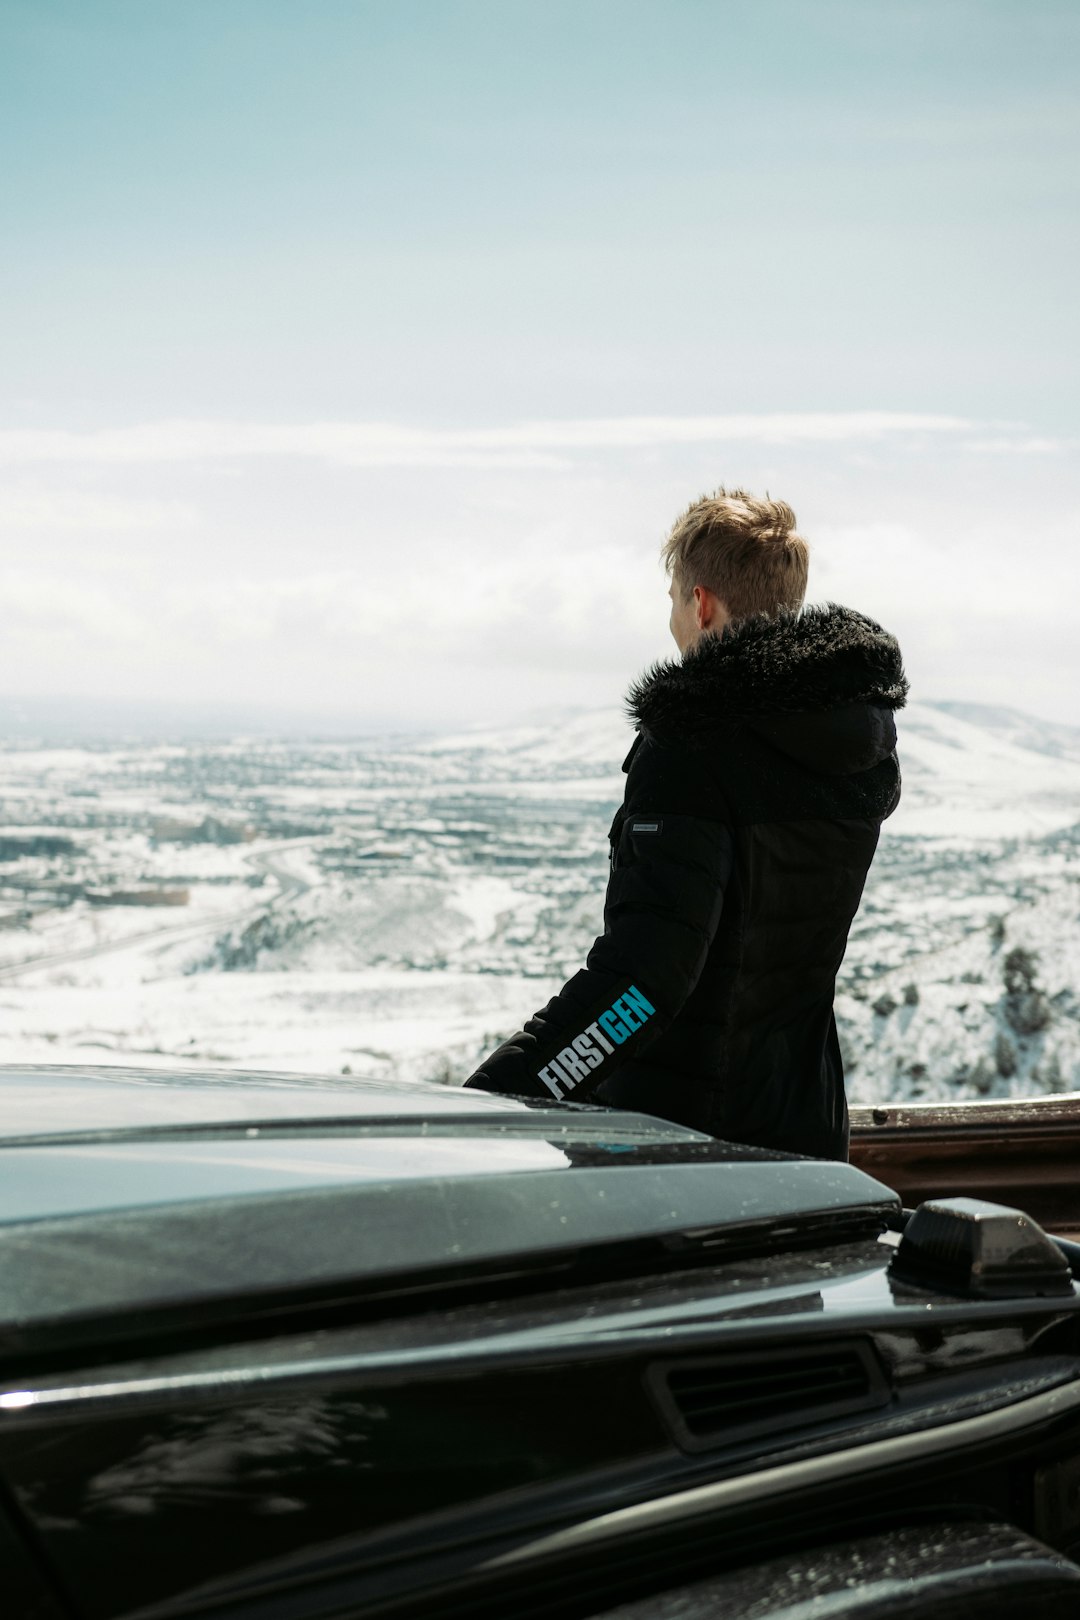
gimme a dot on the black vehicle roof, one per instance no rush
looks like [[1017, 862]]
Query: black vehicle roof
[[133, 1200], [46, 1100]]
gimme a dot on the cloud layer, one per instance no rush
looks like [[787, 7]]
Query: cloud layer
[[529, 444], [444, 575]]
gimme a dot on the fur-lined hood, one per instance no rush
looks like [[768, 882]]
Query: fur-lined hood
[[820, 684]]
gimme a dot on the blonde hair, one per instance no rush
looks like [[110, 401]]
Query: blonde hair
[[742, 549]]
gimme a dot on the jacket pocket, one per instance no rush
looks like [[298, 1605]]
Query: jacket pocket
[[614, 835]]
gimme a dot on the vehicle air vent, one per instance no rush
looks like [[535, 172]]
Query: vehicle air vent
[[720, 1400]]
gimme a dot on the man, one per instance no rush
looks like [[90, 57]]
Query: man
[[763, 768]]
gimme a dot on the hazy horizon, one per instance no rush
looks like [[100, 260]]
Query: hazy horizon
[[92, 722]]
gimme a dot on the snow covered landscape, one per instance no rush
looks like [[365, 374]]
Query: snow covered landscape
[[400, 906]]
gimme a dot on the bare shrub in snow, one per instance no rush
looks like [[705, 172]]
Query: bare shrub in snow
[[983, 1076], [445, 1072], [1019, 969], [1026, 1006], [1028, 1013], [1004, 1055], [240, 953]]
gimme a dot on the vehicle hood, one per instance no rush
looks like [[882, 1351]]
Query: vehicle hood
[[263, 1193]]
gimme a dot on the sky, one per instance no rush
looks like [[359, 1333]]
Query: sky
[[357, 355]]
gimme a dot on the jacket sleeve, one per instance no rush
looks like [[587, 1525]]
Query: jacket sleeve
[[664, 899]]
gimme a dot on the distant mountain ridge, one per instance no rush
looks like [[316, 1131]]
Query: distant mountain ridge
[[1013, 725], [982, 773], [79, 721]]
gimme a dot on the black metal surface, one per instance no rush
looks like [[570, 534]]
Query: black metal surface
[[386, 1454], [114, 1232], [923, 1572], [104, 1277], [28, 1590], [247, 1393]]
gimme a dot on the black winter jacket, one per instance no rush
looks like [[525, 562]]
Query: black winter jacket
[[764, 765]]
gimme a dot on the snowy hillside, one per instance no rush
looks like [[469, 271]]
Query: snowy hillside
[[569, 744], [962, 780], [1043, 736], [401, 907]]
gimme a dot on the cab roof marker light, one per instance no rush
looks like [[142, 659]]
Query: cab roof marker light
[[983, 1250]]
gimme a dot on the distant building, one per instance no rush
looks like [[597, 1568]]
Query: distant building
[[14, 846], [171, 830], [138, 897]]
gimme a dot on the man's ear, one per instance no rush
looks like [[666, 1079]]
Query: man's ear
[[705, 605], [710, 610]]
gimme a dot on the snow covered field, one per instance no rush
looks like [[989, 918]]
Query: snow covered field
[[401, 907]]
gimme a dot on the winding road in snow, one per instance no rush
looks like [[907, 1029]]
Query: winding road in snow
[[291, 885]]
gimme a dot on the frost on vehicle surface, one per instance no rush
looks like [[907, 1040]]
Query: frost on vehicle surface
[[271, 1345], [951, 1572]]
